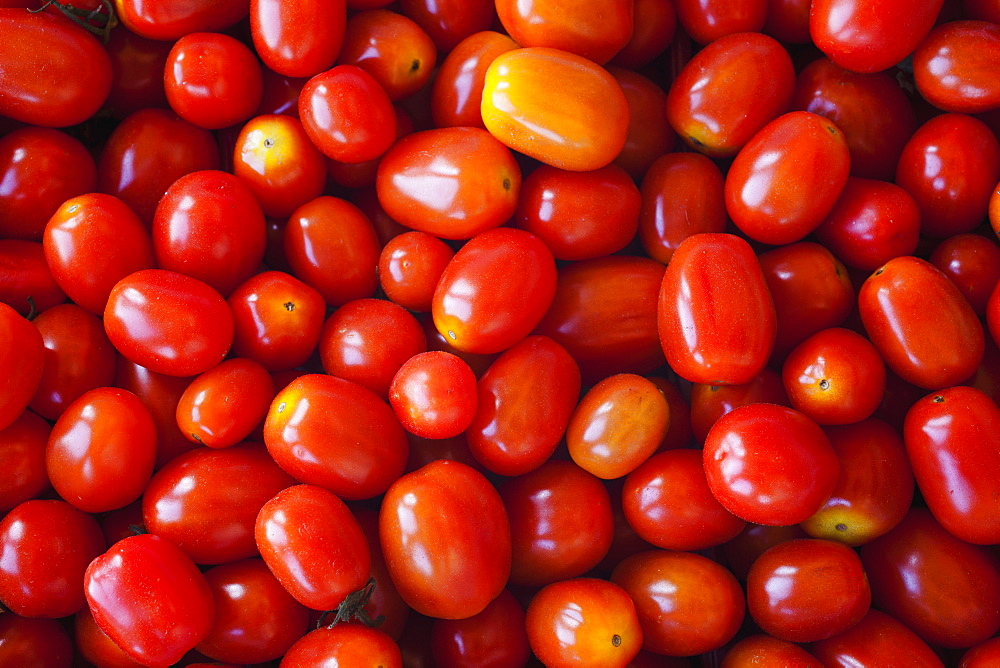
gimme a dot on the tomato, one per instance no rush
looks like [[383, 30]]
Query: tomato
[[95, 646], [296, 39], [710, 402], [981, 655], [313, 545], [160, 393], [649, 134], [921, 324], [26, 283], [448, 22], [769, 464], [48, 545], [715, 314], [875, 486], [788, 21], [668, 503], [579, 215], [561, 523], [742, 551], [384, 600], [55, 73], [392, 48], [169, 22], [22, 455], [175, 611], [603, 314], [457, 89], [410, 267], [944, 589], [22, 361], [595, 35], [580, 126], [869, 37], [654, 24], [222, 406], [763, 650], [951, 66], [434, 395], [972, 262], [60, 167], [731, 89], [494, 637], [494, 291], [512, 433], [344, 645], [807, 590], [877, 639], [434, 504], [450, 182], [93, 241], [336, 434], [168, 322], [137, 65], [708, 20], [583, 622], [29, 640]]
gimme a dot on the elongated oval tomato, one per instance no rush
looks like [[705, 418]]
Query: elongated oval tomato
[[298, 39], [580, 125], [923, 327], [171, 20], [494, 291], [22, 362], [951, 438], [446, 503], [716, 318], [54, 73]]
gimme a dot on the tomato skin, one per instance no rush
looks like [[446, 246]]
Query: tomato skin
[[868, 37], [334, 433], [923, 327], [957, 477], [448, 22], [686, 603], [710, 402], [715, 314], [298, 39], [572, 27], [943, 588], [512, 433], [757, 474], [55, 73], [581, 126], [878, 639], [495, 637], [952, 65], [972, 262], [434, 395], [168, 322], [708, 20], [25, 273], [344, 645], [392, 48], [173, 615], [22, 455], [22, 360], [495, 290], [47, 546], [765, 650], [457, 89], [222, 406], [605, 628], [93, 241], [982, 655], [410, 267], [160, 393], [728, 91], [436, 503], [30, 640], [313, 544], [170, 21], [95, 646], [137, 65]]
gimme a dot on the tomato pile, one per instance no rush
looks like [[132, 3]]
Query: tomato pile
[[500, 333]]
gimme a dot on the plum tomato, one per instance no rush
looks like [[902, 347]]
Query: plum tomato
[[169, 22], [22, 362], [876, 639], [766, 650], [298, 39], [410, 266], [457, 88], [952, 66], [222, 406], [344, 645], [22, 456], [972, 262], [496, 636], [448, 22], [710, 402], [434, 395], [570, 26], [392, 48]]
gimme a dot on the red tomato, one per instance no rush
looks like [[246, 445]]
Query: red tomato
[[26, 283], [710, 402], [298, 39], [605, 630], [755, 539], [457, 89], [95, 646], [313, 544], [972, 262], [654, 24], [952, 66], [788, 21], [715, 314], [222, 406], [410, 267], [982, 655], [33, 641], [344, 645], [22, 362], [22, 456], [168, 322], [174, 613], [572, 26], [448, 22], [390, 47], [876, 639], [708, 20], [170, 21], [55, 73], [765, 650], [649, 133], [496, 636], [434, 395], [137, 65], [921, 324], [433, 505], [337, 434], [770, 464], [494, 291]]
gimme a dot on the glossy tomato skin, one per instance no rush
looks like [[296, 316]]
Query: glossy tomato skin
[[686, 603], [605, 630], [951, 66], [649, 133], [93, 241], [865, 37], [95, 646], [101, 450], [55, 73], [708, 20], [982, 655], [222, 406], [808, 589], [581, 126], [24, 273], [392, 48], [495, 637], [511, 433], [48, 545], [337, 434], [757, 474], [314, 545], [344, 645], [495, 290], [715, 313], [410, 266], [875, 487], [877, 638], [22, 359], [169, 22], [448, 22], [457, 89], [22, 455], [446, 501], [957, 477], [728, 91], [921, 324], [763, 650], [434, 395], [160, 393], [168, 322], [596, 36], [173, 616], [943, 588], [710, 402], [972, 262], [296, 39]]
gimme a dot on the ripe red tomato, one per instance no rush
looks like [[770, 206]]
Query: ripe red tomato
[[392, 48], [448, 22], [298, 39], [765, 650], [710, 402], [410, 267], [22, 456], [952, 66], [22, 362], [972, 262], [877, 638], [457, 89], [708, 20], [434, 395], [344, 645], [496, 636], [571, 26]]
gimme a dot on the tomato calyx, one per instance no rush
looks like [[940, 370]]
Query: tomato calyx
[[99, 22], [353, 608]]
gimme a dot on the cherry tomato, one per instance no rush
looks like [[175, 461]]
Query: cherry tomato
[[344, 645], [715, 313], [22, 361], [137, 65], [981, 655], [34, 641], [570, 26], [432, 505], [392, 48], [708, 20], [877, 638], [26, 283], [22, 456], [952, 65], [222, 406], [434, 395], [710, 402], [298, 39], [649, 134], [494, 637], [972, 262], [448, 22], [170, 22], [160, 393], [765, 650], [457, 89], [788, 21], [410, 267], [95, 646]]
